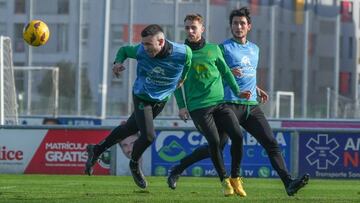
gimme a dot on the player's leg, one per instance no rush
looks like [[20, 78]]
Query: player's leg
[[230, 124], [204, 121], [200, 153], [144, 114], [119, 133], [258, 126]]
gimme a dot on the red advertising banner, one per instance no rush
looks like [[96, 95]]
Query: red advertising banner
[[63, 151]]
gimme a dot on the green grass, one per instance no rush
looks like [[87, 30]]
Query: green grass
[[100, 189]]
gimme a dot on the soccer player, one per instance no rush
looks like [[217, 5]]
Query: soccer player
[[127, 144], [162, 66], [242, 57], [204, 94]]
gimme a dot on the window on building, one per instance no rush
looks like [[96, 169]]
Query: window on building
[[3, 29], [136, 37], [346, 11], [218, 2], [19, 7], [280, 44], [182, 35], [258, 36], [62, 37], [359, 51], [326, 63], [327, 27], [350, 55], [168, 31], [44, 7], [190, 1], [58, 41], [254, 7], [281, 11], [117, 35], [2, 4], [19, 44], [341, 47], [312, 44], [63, 7], [345, 81], [85, 34], [292, 46], [162, 1], [86, 4], [299, 11], [19, 80]]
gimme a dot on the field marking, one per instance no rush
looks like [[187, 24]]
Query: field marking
[[7, 187]]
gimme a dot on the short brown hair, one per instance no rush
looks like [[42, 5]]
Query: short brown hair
[[193, 17]]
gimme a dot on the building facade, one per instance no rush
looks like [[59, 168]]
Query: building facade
[[329, 88]]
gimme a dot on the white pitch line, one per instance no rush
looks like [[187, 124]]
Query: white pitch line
[[7, 187]]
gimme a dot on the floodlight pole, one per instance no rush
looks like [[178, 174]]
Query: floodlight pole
[[29, 60], [305, 63], [105, 65], [2, 100], [272, 57], [78, 81], [336, 64], [131, 63]]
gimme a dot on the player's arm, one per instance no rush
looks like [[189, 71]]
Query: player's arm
[[186, 67], [228, 76], [180, 100], [122, 54]]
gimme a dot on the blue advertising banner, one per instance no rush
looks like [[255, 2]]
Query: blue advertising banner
[[171, 146], [329, 155], [78, 121]]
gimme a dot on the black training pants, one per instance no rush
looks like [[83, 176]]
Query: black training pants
[[204, 120], [256, 124], [140, 120]]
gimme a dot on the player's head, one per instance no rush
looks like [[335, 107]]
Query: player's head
[[194, 27], [50, 121], [126, 145], [153, 39], [240, 22]]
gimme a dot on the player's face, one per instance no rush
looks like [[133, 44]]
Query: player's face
[[194, 30], [240, 27], [127, 145], [152, 45]]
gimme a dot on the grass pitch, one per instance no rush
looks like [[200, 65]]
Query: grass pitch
[[100, 189]]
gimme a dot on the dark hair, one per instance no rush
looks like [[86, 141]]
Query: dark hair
[[244, 11], [151, 30], [52, 121], [193, 17]]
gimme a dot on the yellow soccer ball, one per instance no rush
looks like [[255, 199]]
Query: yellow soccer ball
[[36, 33]]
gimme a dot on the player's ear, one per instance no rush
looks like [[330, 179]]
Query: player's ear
[[161, 41]]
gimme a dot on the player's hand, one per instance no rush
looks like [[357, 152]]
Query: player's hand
[[180, 83], [184, 114], [245, 95], [117, 69], [264, 97], [237, 72]]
